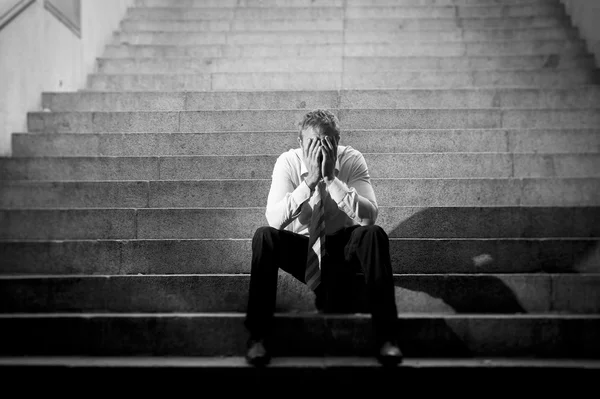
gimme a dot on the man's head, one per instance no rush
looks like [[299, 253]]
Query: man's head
[[319, 124]]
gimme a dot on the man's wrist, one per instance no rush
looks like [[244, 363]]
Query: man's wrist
[[329, 179], [311, 183]]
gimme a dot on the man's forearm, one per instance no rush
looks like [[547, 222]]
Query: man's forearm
[[281, 213], [357, 207]]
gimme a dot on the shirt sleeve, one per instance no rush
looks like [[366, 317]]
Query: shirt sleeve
[[357, 198], [284, 203]]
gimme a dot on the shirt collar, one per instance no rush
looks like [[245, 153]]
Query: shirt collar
[[304, 170]]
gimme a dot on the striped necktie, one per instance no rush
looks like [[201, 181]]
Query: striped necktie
[[316, 239]]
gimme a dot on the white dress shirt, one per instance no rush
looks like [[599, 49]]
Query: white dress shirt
[[350, 197]]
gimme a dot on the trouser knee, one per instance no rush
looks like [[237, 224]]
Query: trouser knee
[[264, 235], [372, 230]]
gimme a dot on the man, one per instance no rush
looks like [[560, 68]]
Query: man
[[321, 211]]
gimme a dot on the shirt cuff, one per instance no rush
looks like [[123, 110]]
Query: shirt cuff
[[301, 194], [337, 190]]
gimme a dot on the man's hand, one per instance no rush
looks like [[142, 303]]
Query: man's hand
[[313, 158], [329, 152]]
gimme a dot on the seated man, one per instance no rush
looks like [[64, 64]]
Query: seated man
[[321, 211]]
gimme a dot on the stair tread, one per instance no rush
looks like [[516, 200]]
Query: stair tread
[[302, 315], [291, 362]]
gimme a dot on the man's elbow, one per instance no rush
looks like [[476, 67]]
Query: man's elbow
[[274, 222], [369, 217], [366, 222], [271, 221]]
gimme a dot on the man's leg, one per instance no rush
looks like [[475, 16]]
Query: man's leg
[[369, 245], [271, 249]]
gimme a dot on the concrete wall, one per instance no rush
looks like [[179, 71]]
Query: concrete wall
[[585, 15], [40, 53]]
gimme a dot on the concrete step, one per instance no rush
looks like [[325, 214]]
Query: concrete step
[[359, 12], [232, 25], [241, 223], [238, 3], [365, 3], [249, 13], [351, 25], [178, 334], [252, 143], [541, 63], [230, 38], [409, 255], [330, 37], [187, 65], [415, 165], [277, 120], [438, 293], [479, 11], [444, 79], [253, 193], [371, 65], [335, 80], [403, 23], [476, 98], [328, 3], [558, 48], [323, 373]]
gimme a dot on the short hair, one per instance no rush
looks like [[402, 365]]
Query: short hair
[[321, 120]]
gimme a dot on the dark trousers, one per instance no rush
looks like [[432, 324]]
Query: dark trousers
[[352, 249]]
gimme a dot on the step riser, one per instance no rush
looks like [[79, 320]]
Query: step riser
[[436, 336], [395, 80], [349, 25], [451, 12], [543, 65], [332, 81], [337, 81], [508, 48], [422, 98], [337, 373], [173, 144], [414, 293], [446, 222], [351, 29], [276, 120], [253, 193], [261, 167], [325, 3], [207, 256], [330, 37], [546, 10]]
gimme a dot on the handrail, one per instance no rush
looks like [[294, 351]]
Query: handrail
[[14, 12], [58, 14]]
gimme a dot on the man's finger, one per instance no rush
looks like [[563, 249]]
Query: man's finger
[[330, 148], [311, 150], [306, 149], [316, 148]]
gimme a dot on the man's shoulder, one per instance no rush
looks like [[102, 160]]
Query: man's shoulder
[[291, 155], [348, 151], [349, 156]]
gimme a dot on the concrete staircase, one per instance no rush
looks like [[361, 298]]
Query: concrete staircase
[[128, 208]]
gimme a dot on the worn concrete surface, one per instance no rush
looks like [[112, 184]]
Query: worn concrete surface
[[177, 334], [417, 255], [401, 141], [503, 293], [212, 223]]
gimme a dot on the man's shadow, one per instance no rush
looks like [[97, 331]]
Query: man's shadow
[[474, 277]]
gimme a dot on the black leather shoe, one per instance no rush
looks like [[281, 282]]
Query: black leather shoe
[[389, 354], [257, 354]]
